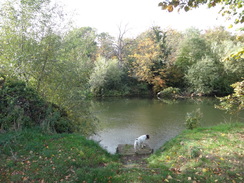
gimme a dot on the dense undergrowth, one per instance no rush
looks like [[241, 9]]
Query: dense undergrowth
[[22, 107], [201, 155]]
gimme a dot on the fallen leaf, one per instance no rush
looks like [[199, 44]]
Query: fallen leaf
[[25, 178], [204, 170], [169, 177]]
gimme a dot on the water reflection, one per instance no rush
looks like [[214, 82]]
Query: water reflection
[[122, 120]]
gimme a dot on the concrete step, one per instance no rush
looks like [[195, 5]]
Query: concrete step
[[128, 149]]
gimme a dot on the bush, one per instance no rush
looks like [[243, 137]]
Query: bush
[[21, 107], [233, 103], [169, 92], [193, 119]]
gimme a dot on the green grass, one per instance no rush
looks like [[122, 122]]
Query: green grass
[[201, 155], [204, 155], [33, 156]]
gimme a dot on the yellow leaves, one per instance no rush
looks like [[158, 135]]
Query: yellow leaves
[[222, 134], [166, 180], [168, 158], [145, 55], [221, 158], [170, 8], [239, 54], [230, 26], [164, 6], [204, 170]]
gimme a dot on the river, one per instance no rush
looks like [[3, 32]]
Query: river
[[121, 120]]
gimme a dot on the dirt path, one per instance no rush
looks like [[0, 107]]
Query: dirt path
[[134, 161]]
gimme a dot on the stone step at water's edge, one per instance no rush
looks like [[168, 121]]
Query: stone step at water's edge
[[128, 149]]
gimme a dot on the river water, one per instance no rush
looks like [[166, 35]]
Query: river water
[[121, 120]]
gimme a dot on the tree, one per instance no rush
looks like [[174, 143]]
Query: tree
[[35, 48], [106, 76], [144, 55], [81, 42], [164, 50], [106, 46], [191, 49], [173, 39], [120, 46], [233, 103], [218, 35], [150, 58], [213, 74], [230, 8], [26, 29], [205, 76]]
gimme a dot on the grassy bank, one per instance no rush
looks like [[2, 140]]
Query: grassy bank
[[204, 155], [35, 157], [201, 155]]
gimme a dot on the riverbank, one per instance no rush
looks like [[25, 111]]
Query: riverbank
[[202, 155]]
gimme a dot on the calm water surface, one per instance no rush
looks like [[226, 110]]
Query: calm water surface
[[123, 120]]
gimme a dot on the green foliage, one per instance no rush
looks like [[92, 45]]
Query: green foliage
[[39, 51], [27, 36], [106, 76], [204, 76], [169, 92], [233, 60], [233, 103], [160, 38], [192, 49], [21, 107], [106, 46], [59, 62], [193, 119], [218, 35]]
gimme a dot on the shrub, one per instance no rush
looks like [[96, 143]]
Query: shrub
[[169, 92], [233, 103], [193, 119], [21, 107]]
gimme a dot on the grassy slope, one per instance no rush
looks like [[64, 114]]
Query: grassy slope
[[33, 156], [201, 155], [204, 155]]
